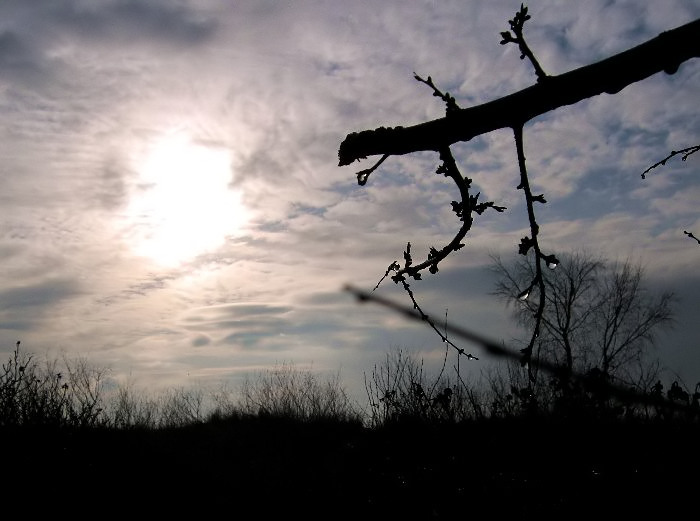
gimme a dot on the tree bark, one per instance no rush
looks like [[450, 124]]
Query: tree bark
[[665, 53]]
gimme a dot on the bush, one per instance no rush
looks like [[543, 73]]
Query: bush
[[288, 392], [66, 394], [400, 391]]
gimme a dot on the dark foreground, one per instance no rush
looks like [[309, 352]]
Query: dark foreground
[[278, 469]]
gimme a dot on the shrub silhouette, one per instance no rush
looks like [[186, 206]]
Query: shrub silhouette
[[289, 392], [399, 391], [294, 435], [53, 394]]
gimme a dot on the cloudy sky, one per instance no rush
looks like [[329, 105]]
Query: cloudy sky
[[173, 208]]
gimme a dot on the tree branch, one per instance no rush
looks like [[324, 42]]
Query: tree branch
[[530, 242], [516, 25], [685, 151], [689, 234], [665, 52]]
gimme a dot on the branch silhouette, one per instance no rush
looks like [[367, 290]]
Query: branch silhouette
[[690, 235], [664, 53], [685, 151], [516, 25]]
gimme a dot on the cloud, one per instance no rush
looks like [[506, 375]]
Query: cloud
[[27, 306], [17, 58], [123, 21], [240, 325]]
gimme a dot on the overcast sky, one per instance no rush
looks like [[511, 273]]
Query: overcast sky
[[173, 208]]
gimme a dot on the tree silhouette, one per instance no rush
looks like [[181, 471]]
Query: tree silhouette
[[598, 316], [665, 53]]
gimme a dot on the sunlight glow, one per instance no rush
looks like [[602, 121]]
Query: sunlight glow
[[183, 205]]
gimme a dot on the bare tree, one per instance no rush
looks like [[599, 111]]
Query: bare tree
[[598, 315]]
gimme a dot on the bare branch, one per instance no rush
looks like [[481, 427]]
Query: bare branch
[[664, 53], [526, 244], [685, 151], [516, 25], [691, 236], [427, 319], [463, 209], [449, 100], [364, 174]]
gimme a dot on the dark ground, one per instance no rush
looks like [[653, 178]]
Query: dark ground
[[278, 469]]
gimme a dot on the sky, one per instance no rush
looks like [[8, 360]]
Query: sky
[[173, 209]]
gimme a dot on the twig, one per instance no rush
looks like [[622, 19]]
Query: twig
[[692, 236], [685, 151], [426, 318], [364, 174], [449, 100], [516, 25], [464, 209]]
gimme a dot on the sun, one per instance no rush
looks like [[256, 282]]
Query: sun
[[183, 205]]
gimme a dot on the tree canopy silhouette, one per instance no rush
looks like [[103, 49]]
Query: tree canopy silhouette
[[599, 315]]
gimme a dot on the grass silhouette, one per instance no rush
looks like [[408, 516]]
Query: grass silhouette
[[267, 463]]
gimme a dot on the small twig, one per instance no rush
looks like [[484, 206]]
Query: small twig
[[444, 360], [446, 97], [463, 209], [516, 25], [394, 266], [364, 174], [426, 318], [692, 236], [685, 151]]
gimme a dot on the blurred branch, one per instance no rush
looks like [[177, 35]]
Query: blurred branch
[[499, 350]]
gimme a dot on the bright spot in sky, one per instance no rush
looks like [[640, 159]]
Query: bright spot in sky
[[183, 205]]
